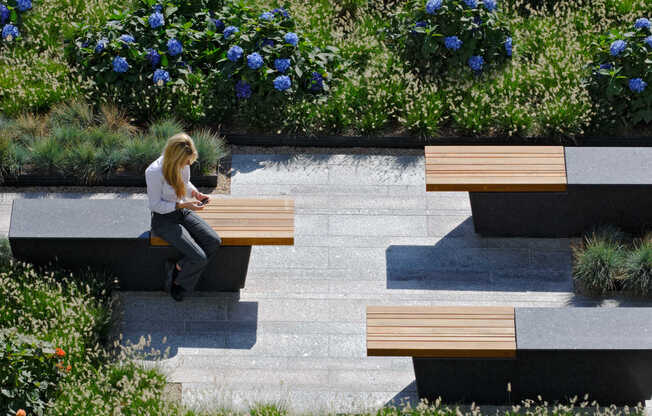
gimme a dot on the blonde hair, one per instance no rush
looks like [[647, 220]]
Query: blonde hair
[[178, 150]]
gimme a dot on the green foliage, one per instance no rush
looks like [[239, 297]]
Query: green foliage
[[617, 104], [202, 68], [28, 372], [73, 141], [638, 267], [482, 33], [599, 262]]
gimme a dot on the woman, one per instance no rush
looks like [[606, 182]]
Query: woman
[[174, 219]]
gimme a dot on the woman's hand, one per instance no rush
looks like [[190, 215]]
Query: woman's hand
[[200, 197], [192, 205]]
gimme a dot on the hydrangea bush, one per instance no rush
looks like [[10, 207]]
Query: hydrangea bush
[[11, 19], [200, 60], [438, 35], [620, 74]]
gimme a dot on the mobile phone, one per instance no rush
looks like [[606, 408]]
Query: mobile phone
[[203, 201]]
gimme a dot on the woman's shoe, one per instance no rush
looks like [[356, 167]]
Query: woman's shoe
[[177, 292]]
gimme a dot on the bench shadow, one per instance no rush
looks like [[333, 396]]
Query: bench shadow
[[406, 397], [464, 261], [204, 320]]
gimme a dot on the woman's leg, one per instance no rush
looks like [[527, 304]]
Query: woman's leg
[[194, 259], [202, 233]]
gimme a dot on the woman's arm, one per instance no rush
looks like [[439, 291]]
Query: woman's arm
[[154, 192]]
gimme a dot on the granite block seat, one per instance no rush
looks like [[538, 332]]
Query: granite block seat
[[498, 355], [546, 191], [115, 235]]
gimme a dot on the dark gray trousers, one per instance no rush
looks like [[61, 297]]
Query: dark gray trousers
[[195, 239]]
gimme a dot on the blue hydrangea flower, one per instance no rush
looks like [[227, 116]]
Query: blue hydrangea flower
[[174, 47], [120, 64], [219, 25], [281, 64], [4, 13], [85, 44], [281, 11], [452, 42], [267, 16], [476, 62], [153, 57], [242, 90], [267, 42], [471, 4], [637, 85], [24, 5], [433, 5], [606, 66], [508, 46], [157, 8], [156, 20], [229, 31], [316, 82], [282, 82], [617, 47], [648, 41], [126, 38], [642, 23], [235, 53], [10, 32], [101, 44], [161, 77], [254, 60], [490, 5], [292, 38]]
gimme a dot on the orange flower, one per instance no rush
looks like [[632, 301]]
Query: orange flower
[[59, 365], [59, 352], [21, 412], [68, 368]]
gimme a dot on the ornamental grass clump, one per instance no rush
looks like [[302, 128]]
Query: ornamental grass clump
[[620, 73], [638, 267], [437, 35], [599, 261]]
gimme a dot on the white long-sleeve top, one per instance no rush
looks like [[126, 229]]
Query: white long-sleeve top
[[161, 195]]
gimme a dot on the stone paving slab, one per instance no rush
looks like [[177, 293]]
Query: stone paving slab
[[367, 233]]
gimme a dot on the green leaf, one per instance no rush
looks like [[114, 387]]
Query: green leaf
[[164, 60]]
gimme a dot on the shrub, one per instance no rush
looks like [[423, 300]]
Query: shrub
[[599, 262], [620, 72], [638, 267], [165, 59], [30, 370], [438, 35]]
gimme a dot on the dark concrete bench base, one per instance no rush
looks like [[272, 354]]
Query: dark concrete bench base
[[137, 265], [561, 214], [611, 377], [111, 234]]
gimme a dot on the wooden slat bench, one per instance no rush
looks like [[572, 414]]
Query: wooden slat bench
[[247, 222], [115, 234], [503, 355], [444, 332], [495, 168], [546, 191]]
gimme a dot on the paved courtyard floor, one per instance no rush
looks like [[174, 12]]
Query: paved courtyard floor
[[367, 233]]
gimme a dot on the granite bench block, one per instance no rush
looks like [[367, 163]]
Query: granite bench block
[[112, 235], [606, 185], [560, 353]]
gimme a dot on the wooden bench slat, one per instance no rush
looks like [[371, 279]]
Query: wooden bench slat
[[438, 310], [495, 149], [441, 331], [247, 221], [495, 168]]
